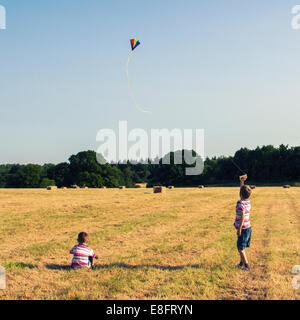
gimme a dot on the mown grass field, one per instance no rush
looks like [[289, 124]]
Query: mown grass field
[[176, 245]]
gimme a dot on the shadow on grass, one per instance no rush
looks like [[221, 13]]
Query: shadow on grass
[[58, 267], [20, 265], [146, 266], [127, 266]]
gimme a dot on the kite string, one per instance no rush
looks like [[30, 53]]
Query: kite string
[[237, 166], [130, 89]]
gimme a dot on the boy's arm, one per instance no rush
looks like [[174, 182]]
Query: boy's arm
[[239, 230], [243, 179], [94, 255]]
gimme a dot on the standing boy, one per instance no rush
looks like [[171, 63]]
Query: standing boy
[[242, 223]]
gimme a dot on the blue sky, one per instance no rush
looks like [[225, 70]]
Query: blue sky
[[228, 67]]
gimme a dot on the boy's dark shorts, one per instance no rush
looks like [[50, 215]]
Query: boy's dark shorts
[[244, 240]]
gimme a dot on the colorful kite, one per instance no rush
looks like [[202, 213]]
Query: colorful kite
[[134, 44]]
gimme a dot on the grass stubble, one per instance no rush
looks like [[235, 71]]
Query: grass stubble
[[176, 245]]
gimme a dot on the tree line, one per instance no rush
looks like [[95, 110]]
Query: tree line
[[264, 165]]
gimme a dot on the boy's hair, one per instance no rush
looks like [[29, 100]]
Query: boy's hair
[[82, 237], [245, 192]]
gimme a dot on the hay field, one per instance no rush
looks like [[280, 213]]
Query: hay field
[[177, 245]]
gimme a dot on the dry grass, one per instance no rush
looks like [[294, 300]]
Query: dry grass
[[175, 245]]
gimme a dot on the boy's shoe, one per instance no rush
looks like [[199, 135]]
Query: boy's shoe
[[246, 268], [240, 265]]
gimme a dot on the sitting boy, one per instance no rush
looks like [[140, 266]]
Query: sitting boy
[[83, 255]]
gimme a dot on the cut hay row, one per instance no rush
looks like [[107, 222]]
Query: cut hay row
[[156, 189]]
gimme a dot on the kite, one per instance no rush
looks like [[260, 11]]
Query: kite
[[134, 44]]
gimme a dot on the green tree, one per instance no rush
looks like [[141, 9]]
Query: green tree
[[25, 176], [47, 182]]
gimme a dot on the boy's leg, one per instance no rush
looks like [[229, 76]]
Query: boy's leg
[[239, 246], [243, 256], [242, 243], [91, 261]]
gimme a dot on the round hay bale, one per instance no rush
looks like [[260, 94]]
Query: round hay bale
[[287, 186], [74, 186], [201, 187], [51, 188], [158, 189], [103, 187], [63, 188], [122, 187], [171, 187]]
